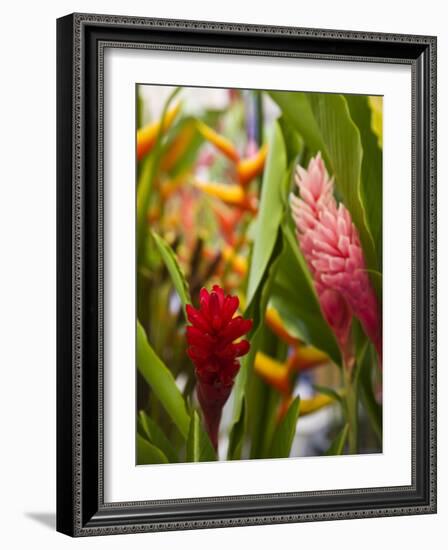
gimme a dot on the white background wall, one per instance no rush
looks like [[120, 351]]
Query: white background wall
[[27, 270]]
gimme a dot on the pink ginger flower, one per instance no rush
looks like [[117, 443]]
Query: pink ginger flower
[[332, 249]]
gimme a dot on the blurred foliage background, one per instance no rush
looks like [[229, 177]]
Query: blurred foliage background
[[214, 171]]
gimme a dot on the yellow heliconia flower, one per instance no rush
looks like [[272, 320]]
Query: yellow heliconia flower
[[278, 374], [228, 193], [273, 372], [171, 221], [319, 401], [231, 194], [220, 142], [275, 323], [376, 106], [178, 146], [306, 357], [249, 168], [153, 214], [146, 136], [169, 187], [238, 262], [307, 406]]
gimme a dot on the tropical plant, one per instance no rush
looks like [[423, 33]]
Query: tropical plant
[[258, 275]]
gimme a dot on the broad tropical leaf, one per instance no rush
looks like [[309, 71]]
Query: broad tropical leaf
[[338, 443], [236, 437], [256, 311], [155, 435], [199, 447], [159, 377], [371, 170], [176, 274], [271, 211], [147, 453], [263, 400], [373, 409], [284, 435]]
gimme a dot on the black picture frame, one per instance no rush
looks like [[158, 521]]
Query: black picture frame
[[81, 510]]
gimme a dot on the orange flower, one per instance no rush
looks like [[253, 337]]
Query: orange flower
[[275, 323], [307, 406], [319, 401], [249, 168], [169, 187], [231, 194], [307, 357], [278, 374], [178, 146], [273, 372], [238, 262], [228, 219], [220, 142], [147, 136]]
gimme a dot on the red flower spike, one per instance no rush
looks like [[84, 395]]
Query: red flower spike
[[214, 352]]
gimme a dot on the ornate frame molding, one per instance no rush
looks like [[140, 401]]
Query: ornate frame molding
[[81, 42]]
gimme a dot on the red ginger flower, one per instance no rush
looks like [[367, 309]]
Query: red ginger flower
[[214, 353], [330, 243]]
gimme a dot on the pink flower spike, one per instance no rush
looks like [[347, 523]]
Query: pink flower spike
[[338, 315], [332, 249]]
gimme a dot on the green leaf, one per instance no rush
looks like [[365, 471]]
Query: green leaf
[[156, 436], [284, 435], [147, 453], [338, 443], [324, 121], [142, 425], [256, 311], [373, 409], [172, 265], [262, 399], [267, 422], [199, 447], [144, 186], [297, 111], [159, 377], [371, 169], [293, 141], [295, 299], [139, 108], [236, 436], [270, 212]]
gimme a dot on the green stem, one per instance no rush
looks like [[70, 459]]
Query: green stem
[[351, 410]]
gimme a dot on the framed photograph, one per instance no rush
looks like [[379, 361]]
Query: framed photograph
[[246, 274]]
